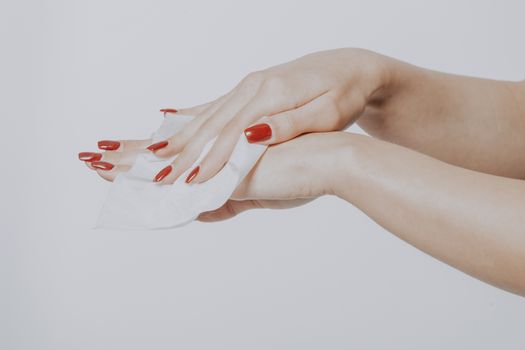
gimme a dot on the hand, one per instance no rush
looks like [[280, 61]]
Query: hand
[[289, 174], [319, 92]]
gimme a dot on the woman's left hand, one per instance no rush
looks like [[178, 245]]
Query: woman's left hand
[[287, 175]]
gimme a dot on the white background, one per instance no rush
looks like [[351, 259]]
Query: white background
[[323, 276]]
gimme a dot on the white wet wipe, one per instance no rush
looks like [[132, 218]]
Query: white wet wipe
[[136, 202]]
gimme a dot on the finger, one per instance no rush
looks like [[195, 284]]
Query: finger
[[109, 171], [228, 137], [176, 143], [168, 110], [122, 158], [234, 207], [191, 148], [215, 114], [127, 157], [116, 158], [196, 110], [230, 209], [122, 145], [320, 115], [187, 157]]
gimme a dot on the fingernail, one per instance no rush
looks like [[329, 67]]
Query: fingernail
[[168, 110], [102, 165], [192, 175], [156, 146], [108, 145], [163, 173], [89, 156], [258, 133]]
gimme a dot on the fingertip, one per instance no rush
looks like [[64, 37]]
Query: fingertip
[[258, 133], [158, 146], [108, 145], [101, 165], [167, 175], [200, 176], [169, 110], [89, 156], [193, 174], [163, 173], [206, 217], [166, 148], [111, 174], [215, 215]]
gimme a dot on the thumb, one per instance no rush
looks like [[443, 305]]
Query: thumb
[[228, 210], [234, 207]]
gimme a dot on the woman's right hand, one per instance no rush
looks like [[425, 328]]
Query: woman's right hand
[[320, 92]]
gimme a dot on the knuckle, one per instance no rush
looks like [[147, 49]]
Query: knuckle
[[331, 105], [253, 80], [272, 85], [288, 124], [230, 208], [334, 113]]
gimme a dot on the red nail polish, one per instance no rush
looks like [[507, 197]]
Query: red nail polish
[[168, 110], [163, 173], [102, 165], [192, 175], [156, 146], [108, 145], [258, 133], [89, 156]]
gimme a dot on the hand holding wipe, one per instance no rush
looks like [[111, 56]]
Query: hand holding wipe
[[136, 202]]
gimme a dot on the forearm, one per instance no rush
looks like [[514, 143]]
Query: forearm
[[474, 123], [470, 220]]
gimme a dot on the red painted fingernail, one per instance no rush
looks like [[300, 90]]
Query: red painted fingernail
[[163, 173], [102, 165], [108, 145], [168, 110], [156, 146], [258, 133], [89, 156], [192, 175]]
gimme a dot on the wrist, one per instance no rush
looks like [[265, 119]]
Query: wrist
[[346, 162], [389, 76]]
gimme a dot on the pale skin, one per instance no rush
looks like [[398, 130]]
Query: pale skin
[[443, 171]]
